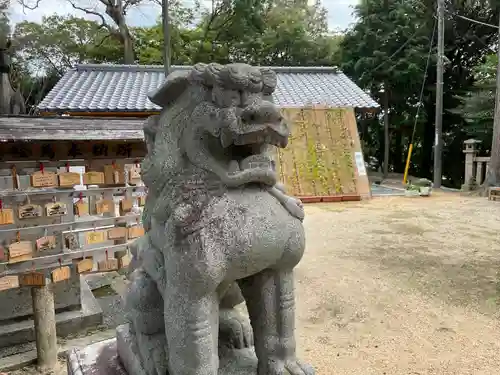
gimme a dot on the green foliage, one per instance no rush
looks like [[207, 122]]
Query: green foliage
[[279, 32], [383, 27], [387, 49], [44, 51], [478, 104], [4, 21], [295, 34], [149, 41], [265, 32], [485, 73], [60, 42]]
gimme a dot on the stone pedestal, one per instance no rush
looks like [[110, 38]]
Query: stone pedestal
[[97, 359], [76, 308], [117, 357]]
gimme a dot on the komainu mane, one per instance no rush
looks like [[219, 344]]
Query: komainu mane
[[219, 230]]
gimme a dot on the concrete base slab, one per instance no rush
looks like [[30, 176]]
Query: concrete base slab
[[90, 315], [103, 358], [96, 359], [20, 360], [232, 361]]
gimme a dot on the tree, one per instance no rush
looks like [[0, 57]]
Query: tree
[[284, 33], [385, 52], [4, 22], [35, 88], [227, 22], [493, 174], [60, 42], [478, 103], [44, 51], [149, 42], [371, 55], [116, 10], [294, 33]]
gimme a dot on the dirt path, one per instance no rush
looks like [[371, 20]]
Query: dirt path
[[401, 286]]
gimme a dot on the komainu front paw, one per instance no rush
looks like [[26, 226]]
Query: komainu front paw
[[299, 368], [235, 330], [288, 367], [295, 208]]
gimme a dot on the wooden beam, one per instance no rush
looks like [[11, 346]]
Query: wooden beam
[[60, 163], [89, 225], [20, 195], [68, 150]]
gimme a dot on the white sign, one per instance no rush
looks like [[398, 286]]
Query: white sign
[[360, 163]]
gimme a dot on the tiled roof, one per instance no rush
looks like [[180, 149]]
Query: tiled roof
[[124, 88]]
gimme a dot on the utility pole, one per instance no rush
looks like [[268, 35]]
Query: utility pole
[[166, 36], [493, 170], [438, 143], [387, 145]]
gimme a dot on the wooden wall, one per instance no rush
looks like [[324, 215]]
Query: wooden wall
[[320, 160]]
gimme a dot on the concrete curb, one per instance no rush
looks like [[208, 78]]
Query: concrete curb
[[17, 361]]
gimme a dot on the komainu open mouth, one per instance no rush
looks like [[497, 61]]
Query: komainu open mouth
[[242, 146]]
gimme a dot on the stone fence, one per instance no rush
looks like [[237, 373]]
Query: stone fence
[[476, 167]]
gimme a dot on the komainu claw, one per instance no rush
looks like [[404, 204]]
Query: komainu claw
[[299, 368]]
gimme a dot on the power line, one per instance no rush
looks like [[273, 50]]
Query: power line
[[472, 20], [410, 148], [424, 80], [397, 51]]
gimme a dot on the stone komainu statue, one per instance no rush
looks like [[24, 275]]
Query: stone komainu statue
[[218, 229]]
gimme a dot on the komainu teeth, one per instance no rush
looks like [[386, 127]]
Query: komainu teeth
[[255, 138], [225, 139]]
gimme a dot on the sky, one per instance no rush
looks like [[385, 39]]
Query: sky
[[339, 11]]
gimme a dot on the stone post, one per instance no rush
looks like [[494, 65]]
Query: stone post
[[470, 152], [479, 173], [45, 326]]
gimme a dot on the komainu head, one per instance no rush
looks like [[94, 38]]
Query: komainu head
[[222, 119]]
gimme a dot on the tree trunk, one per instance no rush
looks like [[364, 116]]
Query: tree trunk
[[398, 159], [379, 152], [387, 146], [116, 13], [426, 156], [493, 176], [128, 49]]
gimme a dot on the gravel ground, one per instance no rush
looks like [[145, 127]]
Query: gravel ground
[[401, 286]]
